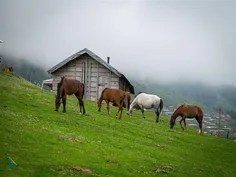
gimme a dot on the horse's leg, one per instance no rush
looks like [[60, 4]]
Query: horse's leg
[[64, 102], [81, 102], [180, 122], [77, 96], [200, 125], [108, 108], [185, 124], [142, 110], [157, 115], [120, 109]]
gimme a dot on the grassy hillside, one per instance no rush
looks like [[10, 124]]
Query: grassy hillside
[[47, 143]]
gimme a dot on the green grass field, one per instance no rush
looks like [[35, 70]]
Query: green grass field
[[43, 142]]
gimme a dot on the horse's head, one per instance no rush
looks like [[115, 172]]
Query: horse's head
[[172, 122], [57, 102], [129, 113], [11, 69]]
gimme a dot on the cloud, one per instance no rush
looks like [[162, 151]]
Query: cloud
[[159, 40]]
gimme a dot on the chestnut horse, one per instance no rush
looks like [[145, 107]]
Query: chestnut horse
[[126, 102], [187, 111], [69, 87], [116, 96], [8, 69]]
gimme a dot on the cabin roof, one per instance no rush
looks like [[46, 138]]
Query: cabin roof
[[97, 58]]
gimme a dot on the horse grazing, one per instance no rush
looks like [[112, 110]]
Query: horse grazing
[[69, 87], [187, 111], [147, 101], [116, 96], [126, 102], [8, 69]]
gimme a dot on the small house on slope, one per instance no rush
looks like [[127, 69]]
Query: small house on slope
[[91, 70]]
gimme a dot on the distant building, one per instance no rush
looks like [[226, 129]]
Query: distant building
[[91, 70]]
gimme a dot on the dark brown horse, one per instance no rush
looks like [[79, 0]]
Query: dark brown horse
[[187, 111], [69, 87], [116, 96], [8, 69]]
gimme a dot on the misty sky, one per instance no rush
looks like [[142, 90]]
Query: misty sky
[[163, 40]]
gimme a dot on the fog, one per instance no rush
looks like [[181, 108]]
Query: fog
[[159, 40]]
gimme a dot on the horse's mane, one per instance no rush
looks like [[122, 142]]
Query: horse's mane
[[179, 107], [177, 110], [137, 94], [104, 91]]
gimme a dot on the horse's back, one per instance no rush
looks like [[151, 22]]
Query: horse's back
[[147, 100], [111, 94], [72, 86], [145, 96], [190, 110]]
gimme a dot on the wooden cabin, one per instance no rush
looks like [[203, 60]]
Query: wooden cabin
[[91, 70]]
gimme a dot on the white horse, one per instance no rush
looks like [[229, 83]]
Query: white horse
[[147, 101]]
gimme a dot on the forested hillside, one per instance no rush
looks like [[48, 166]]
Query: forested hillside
[[28, 70]]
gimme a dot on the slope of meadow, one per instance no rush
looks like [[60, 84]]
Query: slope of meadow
[[47, 143]]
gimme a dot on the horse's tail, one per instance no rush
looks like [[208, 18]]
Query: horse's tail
[[123, 98], [59, 88], [83, 90], [161, 105], [128, 101]]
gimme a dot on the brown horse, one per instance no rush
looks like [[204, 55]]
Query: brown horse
[[69, 87], [116, 96], [8, 69], [126, 102], [187, 111]]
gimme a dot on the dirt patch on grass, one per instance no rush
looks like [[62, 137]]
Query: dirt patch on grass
[[161, 146], [163, 169], [112, 161], [70, 170], [70, 139], [81, 170]]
